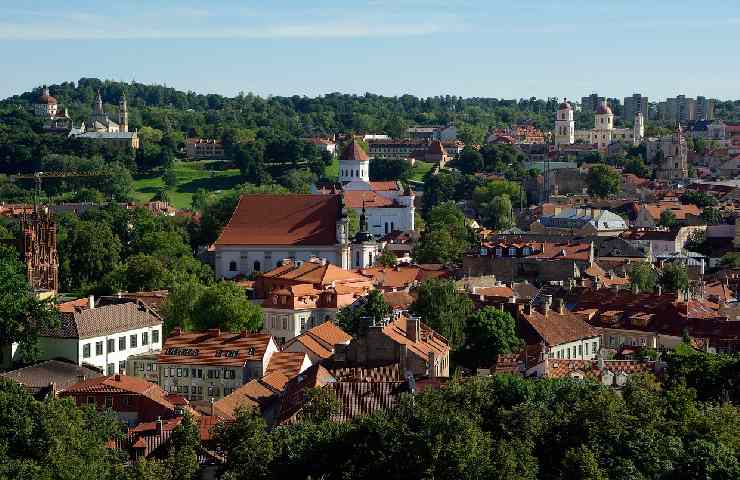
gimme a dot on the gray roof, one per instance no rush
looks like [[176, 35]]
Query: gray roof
[[105, 320], [106, 135], [63, 374], [569, 218]]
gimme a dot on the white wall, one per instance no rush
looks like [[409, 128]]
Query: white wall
[[268, 257], [585, 349], [116, 356]]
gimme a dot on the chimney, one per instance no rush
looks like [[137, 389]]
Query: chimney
[[91, 302], [413, 329], [214, 332], [546, 305], [559, 306]]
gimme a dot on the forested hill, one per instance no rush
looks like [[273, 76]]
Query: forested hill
[[335, 112]]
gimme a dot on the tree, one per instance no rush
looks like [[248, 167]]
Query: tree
[[177, 310], [499, 213], [249, 448], [386, 259], [182, 461], [298, 181], [22, 314], [390, 169], [470, 161], [446, 237], [89, 251], [603, 181], [170, 178], [731, 259], [443, 308], [711, 215], [643, 277], [225, 305], [667, 219], [636, 166], [674, 278], [319, 405], [488, 333], [700, 199], [355, 319]]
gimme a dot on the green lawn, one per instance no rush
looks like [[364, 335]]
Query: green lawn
[[420, 169], [332, 170], [190, 177]]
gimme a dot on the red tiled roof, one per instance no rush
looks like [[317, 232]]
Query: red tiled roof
[[121, 384], [430, 341], [214, 348], [253, 394], [556, 328], [354, 151], [590, 369], [283, 220], [287, 363], [387, 186], [368, 198]]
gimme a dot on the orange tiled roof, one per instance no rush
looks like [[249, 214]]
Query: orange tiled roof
[[556, 328], [678, 209], [253, 394], [370, 199], [121, 384], [430, 341], [287, 363], [214, 348], [283, 220], [313, 273]]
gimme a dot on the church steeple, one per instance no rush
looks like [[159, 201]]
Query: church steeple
[[98, 110], [123, 113]]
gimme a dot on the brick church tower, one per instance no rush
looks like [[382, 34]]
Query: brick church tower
[[39, 250]]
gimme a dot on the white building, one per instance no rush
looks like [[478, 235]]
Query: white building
[[266, 229], [103, 337], [603, 133]]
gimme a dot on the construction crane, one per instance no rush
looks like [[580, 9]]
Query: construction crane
[[39, 176]]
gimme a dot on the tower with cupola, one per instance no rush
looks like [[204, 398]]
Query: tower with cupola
[[354, 164], [364, 249], [565, 124]]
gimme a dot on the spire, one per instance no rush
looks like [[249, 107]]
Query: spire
[[99, 104], [363, 234]]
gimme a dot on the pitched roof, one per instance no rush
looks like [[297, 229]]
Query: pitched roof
[[312, 273], [121, 384], [214, 348], [679, 210], [354, 151], [384, 186], [289, 364], [430, 341], [283, 220], [292, 399], [590, 368], [254, 394], [363, 398], [101, 321], [368, 198], [62, 374], [556, 328], [321, 339]]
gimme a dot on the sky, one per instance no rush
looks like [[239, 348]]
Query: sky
[[487, 48]]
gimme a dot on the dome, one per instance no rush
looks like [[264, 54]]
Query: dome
[[603, 109], [565, 105], [46, 99]]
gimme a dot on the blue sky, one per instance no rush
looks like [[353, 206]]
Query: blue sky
[[506, 49]]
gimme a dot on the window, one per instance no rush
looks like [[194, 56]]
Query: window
[[145, 338], [284, 320], [512, 251], [304, 322], [166, 372], [232, 266], [91, 400], [499, 252], [149, 367], [213, 391], [155, 336], [122, 366], [568, 352], [594, 348], [229, 374], [133, 341], [179, 372], [526, 251], [111, 345], [257, 267], [86, 350], [580, 350], [586, 345], [172, 371], [98, 348], [121, 343], [357, 259], [111, 368]]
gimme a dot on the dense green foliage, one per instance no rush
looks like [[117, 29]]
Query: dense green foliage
[[446, 236], [488, 333], [643, 277], [603, 181], [443, 308], [503, 427], [355, 319], [21, 313]]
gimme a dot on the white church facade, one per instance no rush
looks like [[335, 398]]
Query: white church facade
[[604, 131]]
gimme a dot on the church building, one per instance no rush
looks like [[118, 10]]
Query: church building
[[55, 116], [603, 133], [99, 127], [388, 205]]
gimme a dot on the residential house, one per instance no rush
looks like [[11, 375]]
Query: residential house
[[647, 215], [297, 296], [555, 333], [404, 340], [663, 241], [212, 364], [133, 399], [102, 337], [580, 222], [319, 342], [199, 148], [47, 378]]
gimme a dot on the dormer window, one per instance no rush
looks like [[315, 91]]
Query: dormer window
[[526, 251], [499, 251], [512, 251]]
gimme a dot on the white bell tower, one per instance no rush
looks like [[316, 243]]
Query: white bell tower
[[565, 125]]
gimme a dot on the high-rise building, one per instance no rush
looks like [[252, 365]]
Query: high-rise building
[[590, 103], [684, 109], [704, 108], [634, 104]]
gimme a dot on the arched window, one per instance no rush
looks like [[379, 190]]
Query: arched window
[[357, 173], [392, 227], [386, 227], [232, 266], [357, 259], [257, 267]]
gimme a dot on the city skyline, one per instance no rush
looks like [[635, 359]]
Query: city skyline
[[465, 48]]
